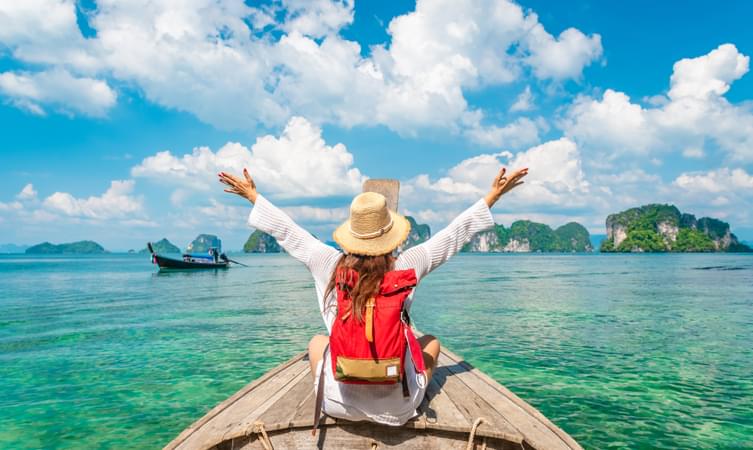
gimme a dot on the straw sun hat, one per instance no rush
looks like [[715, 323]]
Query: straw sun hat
[[372, 228]]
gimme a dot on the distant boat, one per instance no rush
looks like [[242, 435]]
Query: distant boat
[[211, 260]]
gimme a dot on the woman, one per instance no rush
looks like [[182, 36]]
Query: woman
[[369, 238]]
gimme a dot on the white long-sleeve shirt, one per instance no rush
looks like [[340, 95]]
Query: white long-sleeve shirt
[[379, 403]]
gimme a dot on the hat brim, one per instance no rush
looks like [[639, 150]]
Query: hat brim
[[375, 246]]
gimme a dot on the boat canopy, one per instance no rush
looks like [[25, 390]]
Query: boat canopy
[[199, 255]]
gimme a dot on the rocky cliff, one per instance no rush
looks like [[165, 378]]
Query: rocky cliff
[[203, 243], [526, 236], [419, 232], [80, 247], [162, 246], [663, 228], [261, 242]]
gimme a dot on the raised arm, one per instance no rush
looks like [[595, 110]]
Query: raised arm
[[442, 246], [266, 217]]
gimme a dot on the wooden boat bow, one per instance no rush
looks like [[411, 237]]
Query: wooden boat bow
[[276, 410]]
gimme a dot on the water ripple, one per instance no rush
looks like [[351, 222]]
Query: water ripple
[[622, 351]]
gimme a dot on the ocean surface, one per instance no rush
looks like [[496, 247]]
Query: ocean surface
[[621, 351]]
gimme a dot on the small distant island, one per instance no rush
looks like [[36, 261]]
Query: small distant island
[[663, 228], [527, 236], [647, 228], [13, 248], [162, 246], [79, 248]]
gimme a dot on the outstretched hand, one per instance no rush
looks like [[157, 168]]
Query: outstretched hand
[[504, 183], [246, 187]]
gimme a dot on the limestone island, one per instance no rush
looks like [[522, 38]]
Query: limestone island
[[260, 242], [80, 248], [663, 228], [162, 246], [522, 236], [527, 236], [419, 232], [203, 243]]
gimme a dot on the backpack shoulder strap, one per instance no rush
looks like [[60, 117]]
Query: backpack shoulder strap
[[397, 280], [319, 393]]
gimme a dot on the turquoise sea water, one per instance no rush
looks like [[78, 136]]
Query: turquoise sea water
[[622, 351]]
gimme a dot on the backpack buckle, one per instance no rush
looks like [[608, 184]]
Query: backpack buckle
[[405, 317]]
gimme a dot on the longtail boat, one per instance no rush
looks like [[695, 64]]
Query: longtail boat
[[463, 409], [211, 260]]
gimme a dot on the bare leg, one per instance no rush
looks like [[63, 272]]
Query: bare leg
[[430, 347], [317, 344]]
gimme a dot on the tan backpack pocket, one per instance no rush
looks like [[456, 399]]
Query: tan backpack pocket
[[351, 369]]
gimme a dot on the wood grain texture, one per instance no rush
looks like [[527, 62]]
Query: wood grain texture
[[390, 188], [283, 400], [232, 399], [530, 421], [362, 436]]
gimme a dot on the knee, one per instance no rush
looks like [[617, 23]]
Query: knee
[[317, 343], [429, 340]]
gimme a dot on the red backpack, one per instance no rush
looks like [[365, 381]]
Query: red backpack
[[373, 351]]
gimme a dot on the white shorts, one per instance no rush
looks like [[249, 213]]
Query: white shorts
[[381, 403]]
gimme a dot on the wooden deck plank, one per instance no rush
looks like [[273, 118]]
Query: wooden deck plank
[[304, 417], [474, 406], [524, 406], [231, 400], [216, 427], [538, 431], [246, 423], [280, 415], [390, 188], [442, 412]]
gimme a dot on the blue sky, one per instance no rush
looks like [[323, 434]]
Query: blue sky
[[105, 108]]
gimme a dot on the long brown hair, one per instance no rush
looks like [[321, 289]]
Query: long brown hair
[[370, 269]]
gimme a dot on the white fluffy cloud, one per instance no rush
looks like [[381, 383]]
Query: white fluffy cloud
[[556, 181], [445, 47], [716, 181], [556, 177], [518, 134], [59, 89], [44, 31], [524, 101], [233, 65], [723, 193], [564, 56], [116, 202], [116, 206], [297, 164], [10, 206], [311, 214], [36, 20], [22, 202], [709, 75], [317, 18], [28, 193], [693, 113], [612, 124]]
